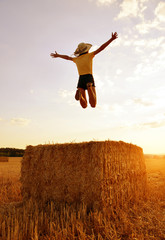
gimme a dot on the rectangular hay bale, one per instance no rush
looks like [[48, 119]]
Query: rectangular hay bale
[[99, 174]]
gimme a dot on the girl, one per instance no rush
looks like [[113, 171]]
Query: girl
[[84, 61]]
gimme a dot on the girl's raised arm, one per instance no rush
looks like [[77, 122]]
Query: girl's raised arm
[[56, 55], [102, 47]]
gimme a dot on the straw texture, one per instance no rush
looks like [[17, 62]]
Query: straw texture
[[99, 174]]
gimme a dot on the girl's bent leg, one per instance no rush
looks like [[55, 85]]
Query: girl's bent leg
[[92, 96], [83, 100]]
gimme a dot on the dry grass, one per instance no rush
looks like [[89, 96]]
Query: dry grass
[[142, 220]]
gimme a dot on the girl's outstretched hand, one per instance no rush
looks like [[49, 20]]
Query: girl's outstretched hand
[[54, 55], [114, 35]]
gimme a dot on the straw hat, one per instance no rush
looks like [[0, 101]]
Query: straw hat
[[82, 48]]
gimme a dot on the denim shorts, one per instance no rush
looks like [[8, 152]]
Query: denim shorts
[[84, 79]]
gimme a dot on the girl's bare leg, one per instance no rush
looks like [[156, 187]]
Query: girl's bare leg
[[92, 95], [83, 100]]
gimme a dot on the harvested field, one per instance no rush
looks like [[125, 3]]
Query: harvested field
[[11, 168], [10, 186], [98, 174], [142, 220], [3, 159]]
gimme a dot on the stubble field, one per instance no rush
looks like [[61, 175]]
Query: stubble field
[[143, 220]]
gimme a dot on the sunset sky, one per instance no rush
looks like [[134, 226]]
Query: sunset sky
[[37, 104]]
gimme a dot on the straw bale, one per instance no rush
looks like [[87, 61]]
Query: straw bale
[[4, 159], [99, 174]]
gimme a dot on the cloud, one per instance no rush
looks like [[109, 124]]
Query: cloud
[[31, 91], [117, 109], [68, 96], [132, 8], [157, 44], [142, 102], [100, 82], [65, 93], [152, 63], [3, 120], [140, 43], [160, 11], [146, 25], [149, 54], [136, 8], [105, 2], [20, 121], [154, 124], [156, 120], [118, 71], [149, 43]]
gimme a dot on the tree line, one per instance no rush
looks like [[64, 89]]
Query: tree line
[[11, 152]]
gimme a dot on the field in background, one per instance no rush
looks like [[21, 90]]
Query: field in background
[[10, 186], [145, 220], [11, 169], [155, 163]]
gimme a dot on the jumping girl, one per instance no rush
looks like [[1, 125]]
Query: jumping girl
[[84, 61]]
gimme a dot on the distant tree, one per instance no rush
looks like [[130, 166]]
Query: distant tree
[[11, 152]]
